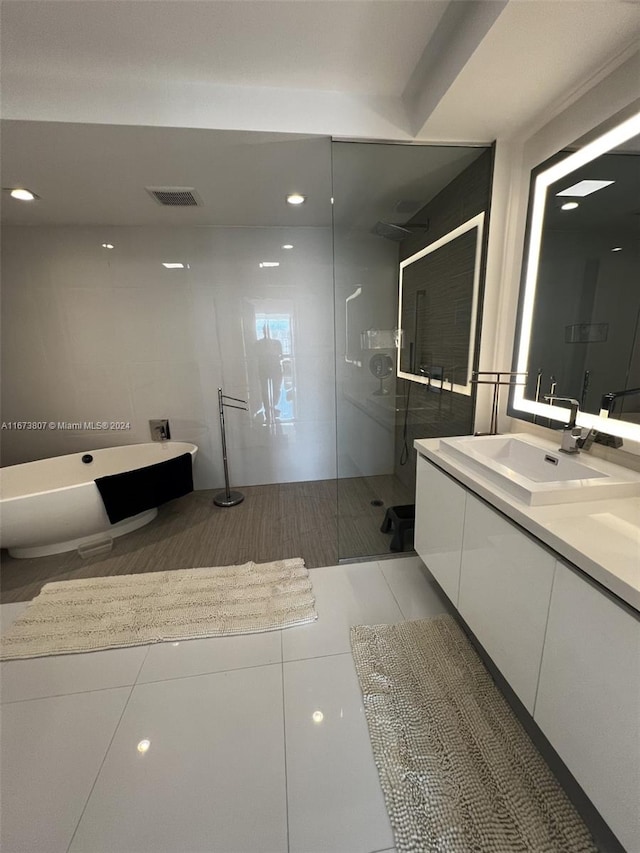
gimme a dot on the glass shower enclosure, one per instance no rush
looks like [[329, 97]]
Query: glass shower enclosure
[[392, 202]]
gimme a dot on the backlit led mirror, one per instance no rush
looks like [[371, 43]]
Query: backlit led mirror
[[437, 310], [579, 318]]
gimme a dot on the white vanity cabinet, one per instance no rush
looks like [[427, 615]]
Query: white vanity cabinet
[[505, 588], [440, 505], [588, 702], [569, 649]]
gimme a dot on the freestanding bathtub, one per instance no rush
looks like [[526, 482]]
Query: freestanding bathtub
[[53, 505]]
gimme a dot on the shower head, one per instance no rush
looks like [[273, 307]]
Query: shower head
[[391, 232], [397, 233]]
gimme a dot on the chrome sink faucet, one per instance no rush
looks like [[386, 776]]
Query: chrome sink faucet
[[571, 433]]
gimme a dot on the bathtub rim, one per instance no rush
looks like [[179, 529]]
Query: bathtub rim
[[193, 450]]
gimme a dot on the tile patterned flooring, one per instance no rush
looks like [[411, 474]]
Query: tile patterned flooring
[[257, 742], [321, 521]]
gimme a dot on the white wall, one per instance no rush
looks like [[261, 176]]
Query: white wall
[[109, 335], [515, 158]]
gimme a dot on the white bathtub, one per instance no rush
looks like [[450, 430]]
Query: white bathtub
[[53, 505]]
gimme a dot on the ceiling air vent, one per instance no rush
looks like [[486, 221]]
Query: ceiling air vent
[[175, 196]]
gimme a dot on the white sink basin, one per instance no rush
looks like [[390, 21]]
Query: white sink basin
[[538, 474]]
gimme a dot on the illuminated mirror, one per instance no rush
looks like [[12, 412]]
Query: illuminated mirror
[[579, 320], [437, 311]]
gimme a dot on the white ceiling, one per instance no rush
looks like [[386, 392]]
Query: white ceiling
[[434, 70], [532, 60], [103, 98], [97, 174], [348, 45]]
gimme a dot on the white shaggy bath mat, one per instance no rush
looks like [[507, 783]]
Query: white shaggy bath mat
[[132, 610], [458, 771]]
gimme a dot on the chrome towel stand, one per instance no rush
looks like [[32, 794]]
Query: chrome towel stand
[[227, 498], [512, 381]]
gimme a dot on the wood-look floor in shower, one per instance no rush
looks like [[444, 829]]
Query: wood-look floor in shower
[[306, 520]]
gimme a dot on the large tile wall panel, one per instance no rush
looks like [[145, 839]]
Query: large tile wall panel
[[93, 334]]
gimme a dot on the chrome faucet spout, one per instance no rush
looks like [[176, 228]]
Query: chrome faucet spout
[[574, 408], [571, 433]]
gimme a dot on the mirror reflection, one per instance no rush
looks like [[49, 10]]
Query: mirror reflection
[[585, 340], [579, 325]]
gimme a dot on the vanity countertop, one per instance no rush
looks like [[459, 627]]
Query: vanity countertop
[[601, 537]]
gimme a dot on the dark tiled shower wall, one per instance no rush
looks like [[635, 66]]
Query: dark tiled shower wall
[[430, 414]]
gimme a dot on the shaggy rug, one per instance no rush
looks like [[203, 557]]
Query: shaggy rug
[[134, 610], [458, 772]]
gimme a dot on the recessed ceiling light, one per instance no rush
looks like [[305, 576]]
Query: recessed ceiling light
[[317, 716], [173, 266], [288, 246], [23, 194], [108, 246], [144, 745], [269, 264], [296, 198], [583, 188], [617, 249], [569, 205]]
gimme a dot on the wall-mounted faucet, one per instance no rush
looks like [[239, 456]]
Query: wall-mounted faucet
[[571, 433], [160, 430]]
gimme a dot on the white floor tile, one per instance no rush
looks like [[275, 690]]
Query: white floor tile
[[418, 594], [52, 750], [36, 678], [334, 796], [213, 777], [197, 657], [354, 594], [10, 612]]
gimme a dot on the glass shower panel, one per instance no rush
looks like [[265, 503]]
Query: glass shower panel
[[271, 285], [271, 288], [390, 201]]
